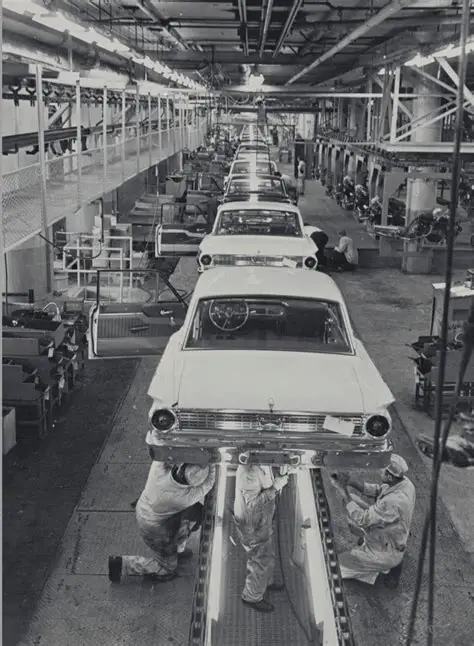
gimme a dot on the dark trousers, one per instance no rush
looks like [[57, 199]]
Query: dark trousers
[[339, 261]]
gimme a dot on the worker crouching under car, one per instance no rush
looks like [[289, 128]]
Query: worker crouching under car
[[256, 490], [168, 511], [383, 525]]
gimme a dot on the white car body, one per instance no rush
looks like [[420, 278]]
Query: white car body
[[271, 167], [279, 251], [303, 407]]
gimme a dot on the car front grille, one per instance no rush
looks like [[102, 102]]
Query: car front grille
[[268, 261], [248, 422]]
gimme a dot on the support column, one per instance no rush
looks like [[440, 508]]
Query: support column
[[123, 115], [42, 160], [421, 193], [79, 142], [159, 128], [104, 138], [137, 124]]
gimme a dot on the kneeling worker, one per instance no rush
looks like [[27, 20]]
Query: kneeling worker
[[256, 490], [168, 511], [384, 524]]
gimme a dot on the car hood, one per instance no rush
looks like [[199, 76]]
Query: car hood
[[255, 245], [215, 379]]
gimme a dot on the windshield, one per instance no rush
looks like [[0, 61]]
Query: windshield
[[258, 222], [247, 167], [253, 147], [269, 323], [256, 185]]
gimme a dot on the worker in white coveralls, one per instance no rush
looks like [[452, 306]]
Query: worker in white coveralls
[[256, 491], [383, 524], [168, 511]]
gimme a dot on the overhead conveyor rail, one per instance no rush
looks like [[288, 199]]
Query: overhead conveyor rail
[[310, 611]]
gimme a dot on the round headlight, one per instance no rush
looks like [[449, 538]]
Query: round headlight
[[310, 262], [163, 419], [205, 260], [377, 425]]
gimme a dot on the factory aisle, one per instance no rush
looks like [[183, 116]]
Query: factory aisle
[[79, 607]]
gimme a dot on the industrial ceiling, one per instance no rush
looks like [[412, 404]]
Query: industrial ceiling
[[319, 44]]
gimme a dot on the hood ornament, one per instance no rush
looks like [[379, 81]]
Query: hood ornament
[[271, 405]]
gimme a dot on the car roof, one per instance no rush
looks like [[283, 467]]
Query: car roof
[[254, 204], [271, 281], [249, 176]]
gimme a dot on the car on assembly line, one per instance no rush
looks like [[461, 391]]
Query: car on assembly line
[[251, 166], [258, 232], [268, 186], [267, 368]]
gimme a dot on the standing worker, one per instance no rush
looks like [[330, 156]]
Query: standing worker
[[301, 175], [383, 525], [168, 511], [256, 490]]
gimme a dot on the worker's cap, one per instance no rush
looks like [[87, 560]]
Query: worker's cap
[[397, 466], [195, 474]]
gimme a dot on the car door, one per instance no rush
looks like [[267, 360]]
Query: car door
[[137, 329]]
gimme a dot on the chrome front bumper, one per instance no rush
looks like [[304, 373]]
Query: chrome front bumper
[[317, 453]]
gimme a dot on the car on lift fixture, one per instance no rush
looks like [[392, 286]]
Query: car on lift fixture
[[267, 368], [258, 233]]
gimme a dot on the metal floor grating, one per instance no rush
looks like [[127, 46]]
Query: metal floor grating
[[239, 625]]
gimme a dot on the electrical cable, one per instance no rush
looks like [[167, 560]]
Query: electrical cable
[[440, 437]]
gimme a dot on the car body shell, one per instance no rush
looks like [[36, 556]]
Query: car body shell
[[263, 405], [257, 249]]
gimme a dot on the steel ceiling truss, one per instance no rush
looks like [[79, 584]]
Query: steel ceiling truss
[[401, 133]]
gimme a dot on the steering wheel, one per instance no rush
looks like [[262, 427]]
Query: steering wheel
[[229, 316]]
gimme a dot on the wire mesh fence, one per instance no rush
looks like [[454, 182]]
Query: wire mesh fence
[[77, 178]]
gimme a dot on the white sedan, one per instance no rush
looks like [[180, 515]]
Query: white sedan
[[267, 368], [258, 233]]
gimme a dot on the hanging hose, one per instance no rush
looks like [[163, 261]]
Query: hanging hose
[[440, 438]]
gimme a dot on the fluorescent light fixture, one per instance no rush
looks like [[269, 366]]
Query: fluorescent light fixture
[[254, 81], [60, 22], [22, 6]]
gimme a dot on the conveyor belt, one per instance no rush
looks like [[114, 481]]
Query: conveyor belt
[[311, 609]]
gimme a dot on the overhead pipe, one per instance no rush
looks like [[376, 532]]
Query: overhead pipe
[[243, 24], [297, 4], [170, 31], [267, 7], [389, 10], [218, 23]]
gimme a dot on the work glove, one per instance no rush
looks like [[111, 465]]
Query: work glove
[[280, 482]]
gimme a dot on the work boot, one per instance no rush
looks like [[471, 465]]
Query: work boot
[[185, 554], [115, 569], [260, 606], [275, 587]]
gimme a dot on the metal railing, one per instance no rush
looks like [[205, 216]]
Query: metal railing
[[77, 178]]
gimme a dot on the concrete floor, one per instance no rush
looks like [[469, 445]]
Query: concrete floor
[[78, 607]]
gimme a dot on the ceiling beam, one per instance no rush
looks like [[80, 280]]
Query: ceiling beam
[[393, 7], [244, 32], [287, 27], [297, 91], [267, 7], [229, 57]]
